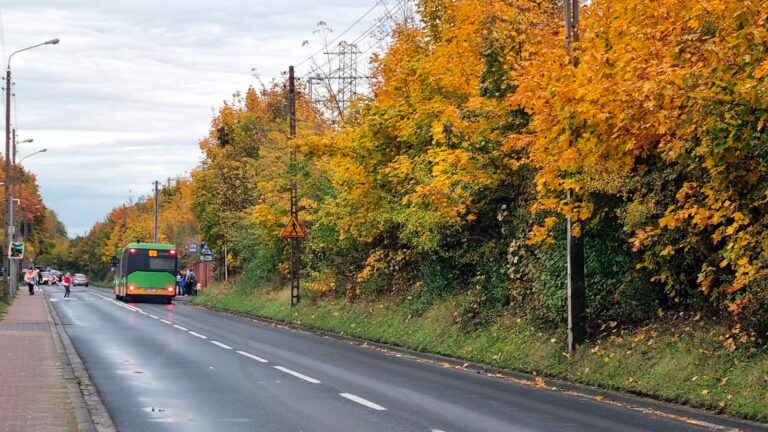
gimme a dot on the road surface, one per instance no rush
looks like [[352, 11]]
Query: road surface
[[180, 368]]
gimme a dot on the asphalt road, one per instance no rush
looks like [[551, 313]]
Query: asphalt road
[[179, 368]]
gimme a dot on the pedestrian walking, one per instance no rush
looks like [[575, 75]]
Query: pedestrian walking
[[67, 282], [180, 281], [190, 282], [30, 277], [39, 276]]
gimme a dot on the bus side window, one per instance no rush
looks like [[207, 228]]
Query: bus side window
[[124, 263]]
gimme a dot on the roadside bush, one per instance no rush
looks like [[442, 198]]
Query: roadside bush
[[753, 316], [262, 256], [434, 282], [489, 296]]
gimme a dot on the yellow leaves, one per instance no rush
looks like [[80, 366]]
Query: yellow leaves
[[669, 250], [541, 232], [762, 70]]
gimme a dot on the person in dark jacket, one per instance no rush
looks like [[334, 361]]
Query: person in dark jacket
[[190, 283]]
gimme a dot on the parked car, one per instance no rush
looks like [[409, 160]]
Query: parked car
[[50, 277], [80, 279]]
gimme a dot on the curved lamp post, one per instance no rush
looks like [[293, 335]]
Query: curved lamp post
[[11, 282]]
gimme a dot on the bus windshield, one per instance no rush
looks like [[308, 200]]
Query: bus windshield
[[151, 260]]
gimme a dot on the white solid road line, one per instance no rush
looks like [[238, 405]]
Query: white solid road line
[[362, 401], [297, 375], [249, 355], [165, 321], [180, 327], [198, 335], [219, 344]]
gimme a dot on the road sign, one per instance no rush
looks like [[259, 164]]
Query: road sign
[[192, 246], [16, 250], [293, 230], [205, 253]]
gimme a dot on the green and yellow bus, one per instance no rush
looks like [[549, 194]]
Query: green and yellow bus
[[146, 270]]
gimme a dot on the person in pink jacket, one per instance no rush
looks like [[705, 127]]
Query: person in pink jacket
[[30, 277]]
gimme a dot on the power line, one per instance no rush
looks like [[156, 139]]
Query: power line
[[380, 22], [378, 2]]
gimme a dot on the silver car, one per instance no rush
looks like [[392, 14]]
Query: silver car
[[79, 279]]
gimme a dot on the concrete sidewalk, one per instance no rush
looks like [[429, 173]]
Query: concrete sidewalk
[[33, 393]]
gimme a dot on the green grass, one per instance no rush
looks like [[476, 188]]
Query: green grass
[[4, 303], [673, 359]]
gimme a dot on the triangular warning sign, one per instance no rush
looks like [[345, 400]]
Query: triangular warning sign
[[293, 230]]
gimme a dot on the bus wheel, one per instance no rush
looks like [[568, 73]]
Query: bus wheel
[[126, 298]]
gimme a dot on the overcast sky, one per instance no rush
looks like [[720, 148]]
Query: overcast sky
[[130, 90]]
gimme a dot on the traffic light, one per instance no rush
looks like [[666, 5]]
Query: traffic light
[[16, 250], [223, 136]]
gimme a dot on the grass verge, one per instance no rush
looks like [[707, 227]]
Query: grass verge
[[675, 359], [4, 303]]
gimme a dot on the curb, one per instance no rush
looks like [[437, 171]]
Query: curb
[[681, 413], [92, 415]]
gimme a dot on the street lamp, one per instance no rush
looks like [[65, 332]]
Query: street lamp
[[14, 171], [23, 216], [10, 279], [32, 154]]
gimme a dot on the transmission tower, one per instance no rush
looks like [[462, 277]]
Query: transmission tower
[[338, 81]]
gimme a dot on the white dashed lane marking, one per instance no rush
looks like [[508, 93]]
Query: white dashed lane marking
[[166, 321], [180, 327], [219, 344], [153, 316], [362, 401], [198, 335], [251, 356], [297, 375]]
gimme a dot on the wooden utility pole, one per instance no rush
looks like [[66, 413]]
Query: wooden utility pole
[[157, 208], [576, 282], [295, 253]]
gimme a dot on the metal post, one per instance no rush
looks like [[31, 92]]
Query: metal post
[[12, 176], [295, 256], [7, 186], [12, 279], [576, 279], [157, 206]]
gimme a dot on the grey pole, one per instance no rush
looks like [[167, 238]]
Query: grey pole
[[7, 186], [576, 279]]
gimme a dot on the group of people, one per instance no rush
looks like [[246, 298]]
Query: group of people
[[186, 283], [32, 277]]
